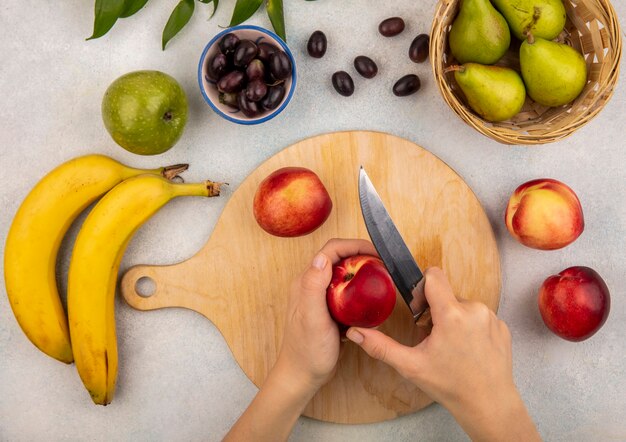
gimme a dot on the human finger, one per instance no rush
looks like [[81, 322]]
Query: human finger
[[314, 281], [383, 348], [438, 291], [336, 249]]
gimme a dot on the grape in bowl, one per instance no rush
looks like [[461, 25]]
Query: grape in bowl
[[247, 74]]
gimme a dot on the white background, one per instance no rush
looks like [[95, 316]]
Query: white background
[[177, 379]]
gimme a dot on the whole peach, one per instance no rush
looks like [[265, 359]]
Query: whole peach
[[575, 303], [544, 214], [361, 292], [291, 201]]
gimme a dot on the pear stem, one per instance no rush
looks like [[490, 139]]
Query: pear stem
[[530, 38], [455, 68]]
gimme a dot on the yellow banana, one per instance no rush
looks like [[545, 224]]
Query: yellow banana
[[94, 266], [35, 236]]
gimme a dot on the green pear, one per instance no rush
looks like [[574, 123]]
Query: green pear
[[544, 18], [495, 93], [479, 33], [554, 73]]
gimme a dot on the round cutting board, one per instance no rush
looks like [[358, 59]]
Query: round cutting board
[[240, 279]]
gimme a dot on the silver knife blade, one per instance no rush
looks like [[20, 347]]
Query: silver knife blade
[[392, 249]]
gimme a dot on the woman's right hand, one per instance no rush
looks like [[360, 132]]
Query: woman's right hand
[[465, 364]]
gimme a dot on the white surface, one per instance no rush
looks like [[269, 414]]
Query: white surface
[[177, 379]]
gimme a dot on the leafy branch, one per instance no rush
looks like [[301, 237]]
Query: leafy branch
[[107, 12]]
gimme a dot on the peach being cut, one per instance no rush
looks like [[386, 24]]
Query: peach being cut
[[291, 201], [361, 292], [575, 303], [544, 214]]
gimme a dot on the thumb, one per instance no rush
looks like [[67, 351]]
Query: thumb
[[380, 346], [315, 280]]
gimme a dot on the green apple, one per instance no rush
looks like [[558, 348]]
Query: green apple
[[145, 111]]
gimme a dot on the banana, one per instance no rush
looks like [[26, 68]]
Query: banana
[[35, 236], [94, 267]]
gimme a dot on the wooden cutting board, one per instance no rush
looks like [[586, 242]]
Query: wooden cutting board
[[240, 279]]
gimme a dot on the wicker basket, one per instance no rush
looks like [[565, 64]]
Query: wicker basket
[[592, 28]]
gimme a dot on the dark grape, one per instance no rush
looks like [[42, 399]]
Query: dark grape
[[365, 66], [265, 50], [228, 43], [343, 84], [280, 65], [245, 53], [249, 108], [391, 26], [316, 46], [231, 82], [216, 67], [407, 85], [255, 69], [418, 51], [256, 90], [275, 95]]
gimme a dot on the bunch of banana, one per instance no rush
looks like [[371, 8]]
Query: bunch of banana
[[94, 266], [34, 238], [132, 196]]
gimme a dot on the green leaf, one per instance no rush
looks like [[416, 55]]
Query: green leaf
[[215, 5], [106, 14], [244, 10], [131, 7], [275, 12], [177, 21]]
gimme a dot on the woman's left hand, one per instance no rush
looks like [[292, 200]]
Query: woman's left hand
[[310, 348]]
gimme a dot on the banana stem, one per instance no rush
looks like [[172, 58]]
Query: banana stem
[[171, 172], [206, 188]]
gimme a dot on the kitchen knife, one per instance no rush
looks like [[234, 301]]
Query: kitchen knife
[[392, 249]]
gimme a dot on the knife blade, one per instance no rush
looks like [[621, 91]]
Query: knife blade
[[392, 249]]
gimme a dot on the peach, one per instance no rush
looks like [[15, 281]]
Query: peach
[[361, 292], [544, 214], [291, 201], [575, 303]]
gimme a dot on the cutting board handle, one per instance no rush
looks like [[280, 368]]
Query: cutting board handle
[[166, 290]]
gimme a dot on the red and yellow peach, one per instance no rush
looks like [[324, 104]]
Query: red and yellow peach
[[544, 214], [361, 292], [291, 201], [575, 303]]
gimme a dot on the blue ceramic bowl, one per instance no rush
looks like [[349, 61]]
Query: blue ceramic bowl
[[209, 89]]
